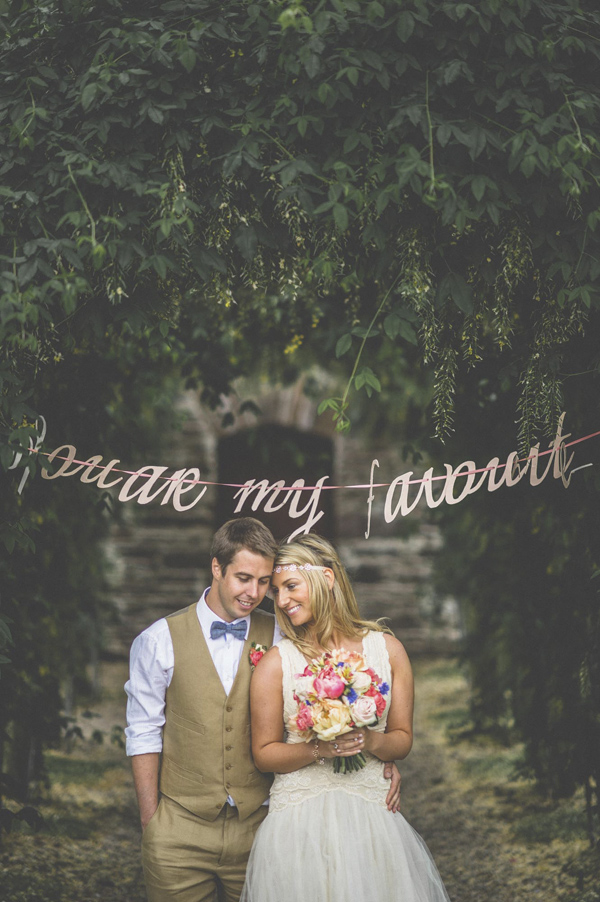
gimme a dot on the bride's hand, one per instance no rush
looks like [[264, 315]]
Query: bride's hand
[[344, 746]]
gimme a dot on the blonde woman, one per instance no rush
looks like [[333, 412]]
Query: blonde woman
[[329, 836]]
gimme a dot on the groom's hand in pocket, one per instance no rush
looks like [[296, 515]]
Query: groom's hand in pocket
[[146, 817], [145, 779], [391, 772]]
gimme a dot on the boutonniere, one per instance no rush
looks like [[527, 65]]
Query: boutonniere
[[256, 652]]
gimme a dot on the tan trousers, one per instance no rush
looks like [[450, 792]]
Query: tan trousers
[[188, 859]]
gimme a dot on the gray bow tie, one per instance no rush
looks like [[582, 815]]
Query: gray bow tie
[[218, 629]]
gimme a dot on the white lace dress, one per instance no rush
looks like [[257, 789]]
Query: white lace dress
[[329, 837]]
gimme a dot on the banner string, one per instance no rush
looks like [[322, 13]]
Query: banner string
[[309, 488]]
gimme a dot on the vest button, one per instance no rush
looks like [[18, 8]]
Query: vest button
[[227, 748], [229, 708], [228, 729], [218, 806], [228, 767]]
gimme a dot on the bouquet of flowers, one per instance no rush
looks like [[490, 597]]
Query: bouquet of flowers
[[336, 693]]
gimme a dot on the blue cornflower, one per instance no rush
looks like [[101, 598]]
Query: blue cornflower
[[384, 688], [351, 695]]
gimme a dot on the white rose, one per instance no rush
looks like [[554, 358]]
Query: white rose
[[303, 687], [361, 681], [364, 711]]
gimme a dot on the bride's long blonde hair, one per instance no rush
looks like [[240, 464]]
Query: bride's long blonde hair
[[334, 610]]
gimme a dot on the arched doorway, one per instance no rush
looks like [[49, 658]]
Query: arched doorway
[[274, 452]]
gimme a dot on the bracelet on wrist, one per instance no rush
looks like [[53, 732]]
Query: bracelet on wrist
[[316, 755]]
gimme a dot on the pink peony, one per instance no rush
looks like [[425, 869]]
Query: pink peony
[[304, 720], [330, 685]]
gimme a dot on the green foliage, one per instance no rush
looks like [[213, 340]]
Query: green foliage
[[522, 564], [6, 639], [173, 164], [53, 585]]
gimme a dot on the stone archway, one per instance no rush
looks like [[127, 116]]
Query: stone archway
[[161, 557]]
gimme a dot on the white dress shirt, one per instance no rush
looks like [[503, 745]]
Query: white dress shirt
[[151, 670]]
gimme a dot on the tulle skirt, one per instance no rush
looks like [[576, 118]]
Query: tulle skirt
[[338, 847]]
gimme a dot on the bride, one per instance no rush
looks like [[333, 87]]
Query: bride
[[329, 836]]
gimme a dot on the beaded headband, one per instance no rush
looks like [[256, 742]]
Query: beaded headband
[[292, 567]]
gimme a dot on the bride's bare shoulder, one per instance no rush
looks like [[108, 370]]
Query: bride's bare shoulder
[[396, 651], [269, 665]]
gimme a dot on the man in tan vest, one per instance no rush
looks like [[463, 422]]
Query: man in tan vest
[[201, 798]]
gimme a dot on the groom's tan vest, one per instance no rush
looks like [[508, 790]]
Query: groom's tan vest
[[206, 738]]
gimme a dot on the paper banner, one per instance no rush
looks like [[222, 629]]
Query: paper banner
[[149, 483]]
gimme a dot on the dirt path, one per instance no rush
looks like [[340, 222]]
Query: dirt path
[[493, 839]]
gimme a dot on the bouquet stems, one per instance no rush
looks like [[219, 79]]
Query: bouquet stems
[[347, 765]]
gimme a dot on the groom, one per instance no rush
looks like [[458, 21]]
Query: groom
[[188, 732]]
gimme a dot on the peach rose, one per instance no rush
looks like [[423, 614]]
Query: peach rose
[[353, 658], [332, 720]]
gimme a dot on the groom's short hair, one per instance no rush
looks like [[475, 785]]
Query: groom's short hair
[[245, 532]]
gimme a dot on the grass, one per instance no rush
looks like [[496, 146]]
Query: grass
[[567, 822], [78, 771], [491, 765]]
